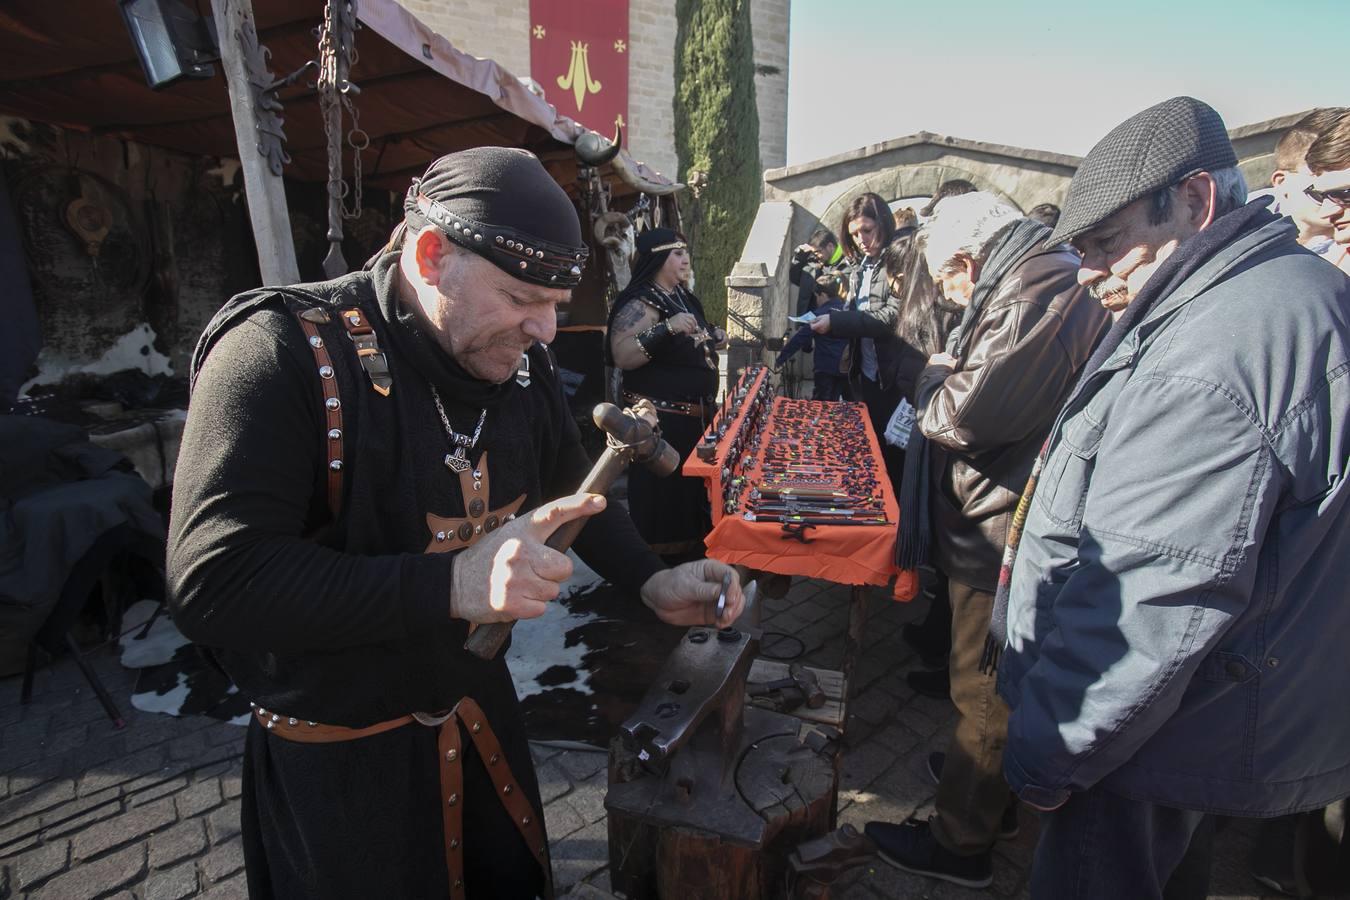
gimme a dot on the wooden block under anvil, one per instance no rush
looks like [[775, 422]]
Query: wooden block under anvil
[[708, 796]]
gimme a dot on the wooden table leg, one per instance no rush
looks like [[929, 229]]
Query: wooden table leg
[[857, 618]]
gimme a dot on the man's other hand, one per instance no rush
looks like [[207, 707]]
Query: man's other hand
[[511, 574], [687, 594], [821, 324]]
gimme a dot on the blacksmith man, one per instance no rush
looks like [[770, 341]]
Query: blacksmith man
[[370, 466]]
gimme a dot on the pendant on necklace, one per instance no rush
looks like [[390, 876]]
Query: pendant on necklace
[[457, 461]]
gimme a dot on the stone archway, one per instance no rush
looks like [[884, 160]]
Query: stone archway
[[905, 181]]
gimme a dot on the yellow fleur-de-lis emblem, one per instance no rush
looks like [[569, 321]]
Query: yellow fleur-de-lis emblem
[[578, 78]]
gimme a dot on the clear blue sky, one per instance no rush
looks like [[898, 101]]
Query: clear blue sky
[[1050, 74]]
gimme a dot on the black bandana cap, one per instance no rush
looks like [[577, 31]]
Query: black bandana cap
[[653, 248], [502, 204]]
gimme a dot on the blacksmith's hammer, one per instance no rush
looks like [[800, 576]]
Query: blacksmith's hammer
[[630, 436]]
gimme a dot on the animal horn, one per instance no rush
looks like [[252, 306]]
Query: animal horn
[[593, 150], [629, 174]]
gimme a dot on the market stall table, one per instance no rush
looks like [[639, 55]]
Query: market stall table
[[798, 487]]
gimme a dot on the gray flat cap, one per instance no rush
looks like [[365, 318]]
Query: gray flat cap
[[1150, 150]]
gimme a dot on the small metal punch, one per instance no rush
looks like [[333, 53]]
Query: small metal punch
[[722, 597]]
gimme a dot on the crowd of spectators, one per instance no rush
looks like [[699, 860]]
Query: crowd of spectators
[[1119, 435]]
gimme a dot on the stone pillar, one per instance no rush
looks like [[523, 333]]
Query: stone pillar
[[758, 291]]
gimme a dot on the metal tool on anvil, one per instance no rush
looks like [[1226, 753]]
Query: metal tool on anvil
[[800, 688], [630, 437]]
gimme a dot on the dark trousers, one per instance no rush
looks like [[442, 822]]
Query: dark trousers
[[825, 386], [881, 403], [1108, 847], [972, 794]]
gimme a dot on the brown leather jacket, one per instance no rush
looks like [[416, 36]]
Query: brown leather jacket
[[988, 417]]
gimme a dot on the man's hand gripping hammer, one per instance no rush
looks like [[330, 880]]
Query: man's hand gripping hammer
[[630, 436]]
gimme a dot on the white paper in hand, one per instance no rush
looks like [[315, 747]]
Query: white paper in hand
[[805, 319], [900, 425]]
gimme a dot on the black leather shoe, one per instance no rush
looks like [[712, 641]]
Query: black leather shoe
[[1008, 826], [911, 846], [936, 684]]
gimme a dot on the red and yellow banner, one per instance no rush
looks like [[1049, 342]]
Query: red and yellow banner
[[579, 55]]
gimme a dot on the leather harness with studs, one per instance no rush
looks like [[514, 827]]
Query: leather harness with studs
[[447, 534]]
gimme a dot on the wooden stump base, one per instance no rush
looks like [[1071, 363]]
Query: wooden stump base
[[706, 829]]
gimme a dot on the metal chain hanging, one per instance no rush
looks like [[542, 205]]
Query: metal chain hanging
[[337, 55]]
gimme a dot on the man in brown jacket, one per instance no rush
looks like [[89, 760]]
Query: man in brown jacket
[[985, 408]]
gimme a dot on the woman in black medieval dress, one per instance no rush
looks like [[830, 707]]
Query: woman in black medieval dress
[[659, 336]]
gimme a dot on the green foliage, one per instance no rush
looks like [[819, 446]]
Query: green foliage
[[717, 133]]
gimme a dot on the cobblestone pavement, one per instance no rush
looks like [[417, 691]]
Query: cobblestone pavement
[[152, 811]]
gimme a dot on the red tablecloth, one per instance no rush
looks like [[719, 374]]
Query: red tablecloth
[[844, 554]]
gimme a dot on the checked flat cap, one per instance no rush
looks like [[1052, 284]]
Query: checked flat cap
[[1150, 150]]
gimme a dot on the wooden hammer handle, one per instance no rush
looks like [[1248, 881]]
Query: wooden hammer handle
[[486, 640]]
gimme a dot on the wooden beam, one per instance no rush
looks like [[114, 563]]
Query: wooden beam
[[128, 65], [263, 188], [296, 102]]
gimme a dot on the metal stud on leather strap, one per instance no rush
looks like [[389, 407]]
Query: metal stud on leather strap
[[451, 755], [454, 799]]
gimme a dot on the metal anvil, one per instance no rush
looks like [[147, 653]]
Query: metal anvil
[[703, 680], [707, 795]]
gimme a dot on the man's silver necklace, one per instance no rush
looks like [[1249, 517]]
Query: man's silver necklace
[[458, 460]]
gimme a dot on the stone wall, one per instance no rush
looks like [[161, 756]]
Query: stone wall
[[651, 85], [758, 289], [914, 166], [499, 31]]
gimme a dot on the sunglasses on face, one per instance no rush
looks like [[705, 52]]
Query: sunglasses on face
[[1339, 196]]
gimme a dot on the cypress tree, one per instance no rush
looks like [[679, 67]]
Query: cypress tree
[[717, 133]]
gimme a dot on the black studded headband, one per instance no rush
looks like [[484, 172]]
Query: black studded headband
[[527, 258]]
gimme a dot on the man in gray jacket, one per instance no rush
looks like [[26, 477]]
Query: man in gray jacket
[[1173, 598]]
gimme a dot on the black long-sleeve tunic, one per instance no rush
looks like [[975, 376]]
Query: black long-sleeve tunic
[[347, 621]]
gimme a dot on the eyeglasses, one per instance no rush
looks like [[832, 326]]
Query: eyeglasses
[[1339, 196]]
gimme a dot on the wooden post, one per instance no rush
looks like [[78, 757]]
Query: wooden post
[[853, 641], [263, 187]]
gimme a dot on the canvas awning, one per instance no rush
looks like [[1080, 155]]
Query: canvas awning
[[72, 63]]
